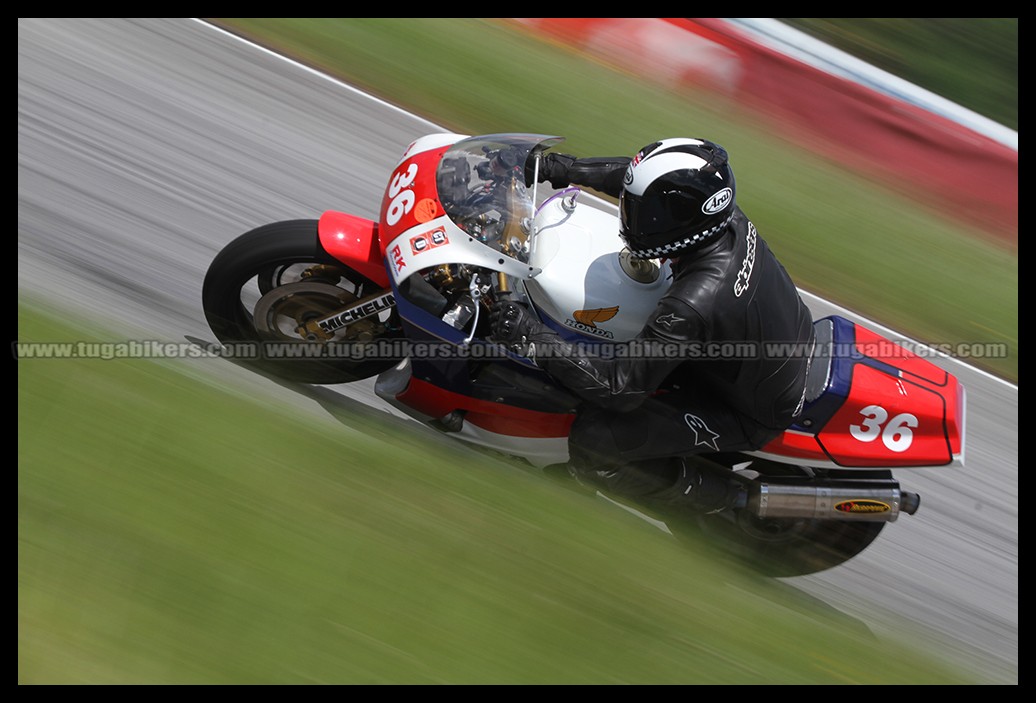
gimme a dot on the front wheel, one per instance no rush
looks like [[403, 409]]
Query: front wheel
[[264, 287]]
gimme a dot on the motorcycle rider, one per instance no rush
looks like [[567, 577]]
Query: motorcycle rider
[[646, 415]]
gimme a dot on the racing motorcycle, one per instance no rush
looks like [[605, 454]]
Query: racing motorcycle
[[405, 300]]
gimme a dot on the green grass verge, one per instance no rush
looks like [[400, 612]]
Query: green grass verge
[[972, 61], [172, 530], [840, 235]]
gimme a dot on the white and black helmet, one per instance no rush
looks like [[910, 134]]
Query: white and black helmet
[[677, 195]]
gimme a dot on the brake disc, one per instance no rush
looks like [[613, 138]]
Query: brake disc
[[282, 313]]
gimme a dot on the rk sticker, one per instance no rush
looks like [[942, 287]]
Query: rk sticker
[[398, 263]]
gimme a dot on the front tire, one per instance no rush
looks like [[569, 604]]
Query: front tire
[[281, 271]]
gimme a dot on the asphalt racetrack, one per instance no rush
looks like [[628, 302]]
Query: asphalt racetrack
[[144, 146]]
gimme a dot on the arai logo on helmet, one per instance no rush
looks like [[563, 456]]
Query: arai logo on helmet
[[717, 202]]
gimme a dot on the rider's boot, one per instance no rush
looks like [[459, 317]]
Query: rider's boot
[[701, 489], [690, 485]]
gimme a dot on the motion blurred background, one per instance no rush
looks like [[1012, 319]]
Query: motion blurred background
[[177, 525], [883, 207], [972, 61]]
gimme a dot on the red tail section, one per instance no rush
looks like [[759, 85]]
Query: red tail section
[[895, 408]]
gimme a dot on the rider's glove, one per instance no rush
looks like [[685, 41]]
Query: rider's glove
[[553, 167], [513, 326]]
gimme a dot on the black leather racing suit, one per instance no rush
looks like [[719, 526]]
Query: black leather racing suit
[[720, 365]]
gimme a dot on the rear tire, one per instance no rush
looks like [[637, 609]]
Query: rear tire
[[259, 261], [783, 547]]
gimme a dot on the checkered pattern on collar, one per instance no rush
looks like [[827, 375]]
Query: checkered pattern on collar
[[674, 247]]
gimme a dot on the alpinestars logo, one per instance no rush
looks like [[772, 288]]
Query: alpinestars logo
[[702, 433], [668, 320], [744, 274]]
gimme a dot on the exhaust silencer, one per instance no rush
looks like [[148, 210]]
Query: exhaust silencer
[[869, 501]]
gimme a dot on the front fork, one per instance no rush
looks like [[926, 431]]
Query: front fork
[[325, 327], [352, 241]]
